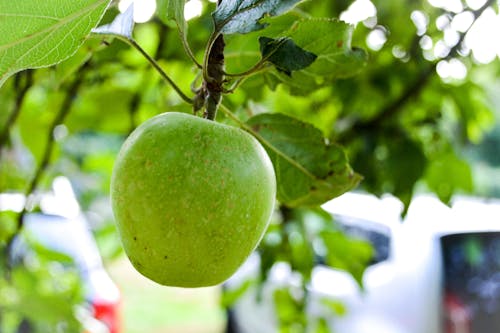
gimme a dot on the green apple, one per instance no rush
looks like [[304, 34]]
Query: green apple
[[192, 198]]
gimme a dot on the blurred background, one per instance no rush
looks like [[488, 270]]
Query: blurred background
[[419, 122], [148, 307]]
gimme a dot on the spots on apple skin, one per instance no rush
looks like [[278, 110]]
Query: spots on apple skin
[[136, 263], [200, 211]]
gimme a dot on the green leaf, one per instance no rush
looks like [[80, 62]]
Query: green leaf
[[8, 221], [322, 326], [46, 253], [349, 254], [243, 16], [447, 174], [337, 307], [309, 170], [289, 309], [392, 163], [51, 31], [45, 295], [285, 54], [230, 296], [172, 10], [330, 40]]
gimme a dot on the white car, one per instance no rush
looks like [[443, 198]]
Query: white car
[[61, 227], [438, 271]]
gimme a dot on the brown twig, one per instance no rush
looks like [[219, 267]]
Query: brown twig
[[21, 89]]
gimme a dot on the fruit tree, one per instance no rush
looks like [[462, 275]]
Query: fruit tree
[[210, 122]]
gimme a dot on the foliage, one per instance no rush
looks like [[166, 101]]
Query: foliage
[[51, 32], [43, 291], [309, 169], [345, 111]]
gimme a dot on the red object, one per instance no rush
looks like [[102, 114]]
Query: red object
[[108, 313], [457, 316]]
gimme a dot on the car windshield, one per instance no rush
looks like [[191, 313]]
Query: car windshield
[[377, 235], [471, 282]]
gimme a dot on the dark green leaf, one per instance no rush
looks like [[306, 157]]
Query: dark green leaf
[[391, 164], [285, 54], [242, 16], [309, 170], [330, 40]]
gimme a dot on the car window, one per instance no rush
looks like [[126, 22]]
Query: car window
[[471, 290], [377, 235]]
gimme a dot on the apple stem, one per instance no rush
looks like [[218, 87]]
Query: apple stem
[[210, 93], [213, 86]]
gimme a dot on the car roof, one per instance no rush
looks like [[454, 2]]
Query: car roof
[[60, 200], [71, 237], [476, 214], [60, 226], [426, 213], [385, 210]]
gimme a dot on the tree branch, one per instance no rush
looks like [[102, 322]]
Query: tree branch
[[22, 89], [210, 93], [49, 147], [413, 90]]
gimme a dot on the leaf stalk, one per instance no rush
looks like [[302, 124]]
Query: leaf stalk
[[157, 67]]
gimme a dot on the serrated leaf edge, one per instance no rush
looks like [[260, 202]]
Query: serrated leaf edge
[[47, 31], [293, 162]]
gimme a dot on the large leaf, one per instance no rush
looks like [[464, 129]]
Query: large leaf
[[309, 170], [42, 33], [242, 16], [392, 163], [330, 40]]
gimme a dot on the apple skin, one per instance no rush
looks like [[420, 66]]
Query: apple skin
[[192, 199]]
